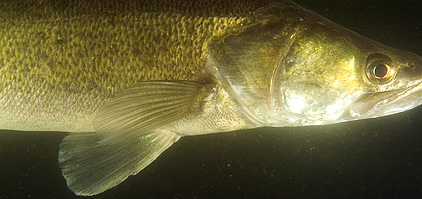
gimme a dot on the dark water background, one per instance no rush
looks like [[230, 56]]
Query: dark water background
[[377, 158]]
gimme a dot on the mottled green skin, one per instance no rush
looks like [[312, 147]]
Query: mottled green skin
[[60, 60]]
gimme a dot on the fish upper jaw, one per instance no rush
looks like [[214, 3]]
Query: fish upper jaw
[[378, 104]]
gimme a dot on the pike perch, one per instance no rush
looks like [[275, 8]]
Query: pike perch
[[129, 78]]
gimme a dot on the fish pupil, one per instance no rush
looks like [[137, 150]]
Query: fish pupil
[[380, 70]]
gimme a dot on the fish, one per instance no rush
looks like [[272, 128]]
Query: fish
[[127, 79]]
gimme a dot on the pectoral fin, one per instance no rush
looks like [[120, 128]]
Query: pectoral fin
[[128, 136]]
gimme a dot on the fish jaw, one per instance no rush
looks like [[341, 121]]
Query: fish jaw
[[379, 104]]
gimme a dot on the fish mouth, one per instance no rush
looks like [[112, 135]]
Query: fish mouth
[[378, 104]]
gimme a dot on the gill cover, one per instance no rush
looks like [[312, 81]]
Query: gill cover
[[245, 62]]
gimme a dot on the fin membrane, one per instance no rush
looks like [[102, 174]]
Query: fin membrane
[[91, 167], [128, 135]]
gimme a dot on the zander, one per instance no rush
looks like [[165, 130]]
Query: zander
[[127, 79]]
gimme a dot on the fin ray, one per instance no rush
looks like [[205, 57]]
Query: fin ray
[[91, 167], [128, 135]]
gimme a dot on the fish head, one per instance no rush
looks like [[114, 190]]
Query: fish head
[[330, 74], [302, 69]]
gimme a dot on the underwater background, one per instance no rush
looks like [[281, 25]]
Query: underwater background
[[376, 158]]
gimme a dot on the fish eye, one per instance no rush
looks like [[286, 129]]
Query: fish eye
[[380, 69]]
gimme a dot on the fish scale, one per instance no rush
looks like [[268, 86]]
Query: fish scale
[[83, 59]]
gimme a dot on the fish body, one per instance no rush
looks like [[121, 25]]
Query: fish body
[[65, 59], [129, 78]]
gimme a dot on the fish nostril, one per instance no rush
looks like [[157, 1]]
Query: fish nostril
[[412, 66]]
